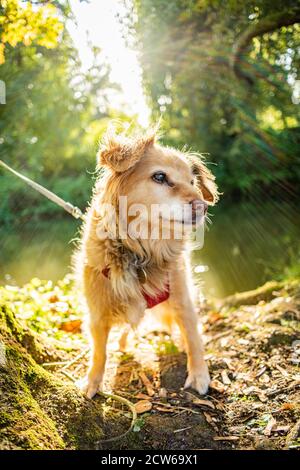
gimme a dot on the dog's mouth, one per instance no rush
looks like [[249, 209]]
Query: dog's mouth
[[194, 221]]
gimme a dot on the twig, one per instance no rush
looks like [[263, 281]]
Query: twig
[[147, 383], [53, 364], [183, 408], [183, 429], [66, 364], [116, 398], [73, 361], [226, 438], [64, 372], [218, 336], [131, 408], [281, 370], [121, 392]]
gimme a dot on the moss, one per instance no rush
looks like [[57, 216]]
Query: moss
[[265, 293], [41, 351], [23, 422], [38, 410]]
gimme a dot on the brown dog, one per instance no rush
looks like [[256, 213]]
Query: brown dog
[[125, 271]]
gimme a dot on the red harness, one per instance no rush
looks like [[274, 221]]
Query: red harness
[[151, 301]]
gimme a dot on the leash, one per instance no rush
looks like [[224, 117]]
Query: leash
[[67, 206]]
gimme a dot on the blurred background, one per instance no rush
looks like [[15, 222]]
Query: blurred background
[[221, 75]]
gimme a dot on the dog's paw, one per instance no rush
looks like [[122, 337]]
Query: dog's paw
[[89, 387], [199, 381]]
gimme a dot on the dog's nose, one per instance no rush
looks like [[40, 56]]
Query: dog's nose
[[200, 206]]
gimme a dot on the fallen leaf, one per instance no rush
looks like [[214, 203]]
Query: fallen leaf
[[287, 406], [72, 326], [198, 401], [164, 410], [207, 417], [226, 380], [143, 406], [164, 405], [260, 372], [210, 420], [214, 316], [283, 372], [270, 426], [142, 396], [147, 384], [262, 397], [282, 428], [217, 385], [229, 364]]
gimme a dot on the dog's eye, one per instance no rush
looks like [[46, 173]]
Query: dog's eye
[[192, 182], [160, 177]]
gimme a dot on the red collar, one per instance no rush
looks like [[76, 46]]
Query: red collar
[[151, 301]]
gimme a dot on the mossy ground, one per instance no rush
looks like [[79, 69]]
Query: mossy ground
[[252, 350], [37, 409]]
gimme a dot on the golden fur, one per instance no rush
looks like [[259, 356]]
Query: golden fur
[[140, 264]]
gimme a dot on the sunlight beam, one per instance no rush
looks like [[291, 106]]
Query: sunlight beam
[[96, 23]]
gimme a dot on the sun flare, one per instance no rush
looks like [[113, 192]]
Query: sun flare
[[96, 23]]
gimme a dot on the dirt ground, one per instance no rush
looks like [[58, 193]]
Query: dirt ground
[[253, 351]]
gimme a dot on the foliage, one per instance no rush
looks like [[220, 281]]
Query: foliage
[[22, 23], [38, 410], [244, 116], [53, 117], [255, 382], [242, 112], [44, 306]]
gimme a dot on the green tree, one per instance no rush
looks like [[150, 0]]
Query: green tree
[[51, 122], [22, 23], [223, 76]]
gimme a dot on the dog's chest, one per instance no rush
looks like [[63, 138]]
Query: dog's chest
[[152, 299]]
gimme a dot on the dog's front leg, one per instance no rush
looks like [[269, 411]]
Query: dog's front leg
[[93, 381], [183, 311], [198, 375]]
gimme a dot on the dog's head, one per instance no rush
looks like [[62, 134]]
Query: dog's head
[[151, 175]]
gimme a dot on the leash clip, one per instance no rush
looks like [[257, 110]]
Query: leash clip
[[74, 211]]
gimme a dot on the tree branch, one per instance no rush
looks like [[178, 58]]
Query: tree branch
[[265, 25]]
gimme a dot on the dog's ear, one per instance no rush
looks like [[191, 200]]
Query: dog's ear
[[119, 153], [205, 180]]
